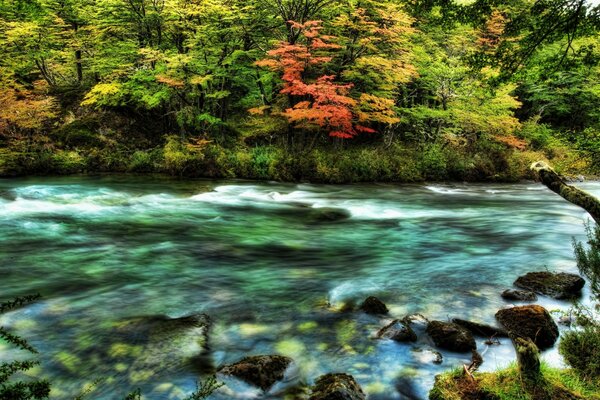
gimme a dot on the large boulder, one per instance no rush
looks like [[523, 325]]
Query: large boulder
[[530, 322], [519, 295], [372, 305], [261, 371], [451, 336], [336, 387], [481, 329], [398, 330], [559, 286]]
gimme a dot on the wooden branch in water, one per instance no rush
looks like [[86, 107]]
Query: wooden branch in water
[[554, 182]]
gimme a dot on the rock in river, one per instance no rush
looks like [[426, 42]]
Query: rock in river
[[559, 286], [519, 295], [372, 305], [531, 321], [261, 371], [336, 387], [481, 329], [398, 330], [451, 336]]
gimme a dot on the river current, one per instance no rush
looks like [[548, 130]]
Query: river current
[[270, 269]]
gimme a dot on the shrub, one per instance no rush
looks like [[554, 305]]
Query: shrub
[[180, 157], [581, 350]]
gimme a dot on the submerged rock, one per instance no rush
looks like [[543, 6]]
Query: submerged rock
[[261, 371], [481, 329], [531, 321], [559, 286], [451, 336], [519, 295], [372, 305], [158, 341], [398, 330], [329, 214], [337, 387]]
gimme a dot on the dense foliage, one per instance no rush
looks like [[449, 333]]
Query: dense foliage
[[467, 90]]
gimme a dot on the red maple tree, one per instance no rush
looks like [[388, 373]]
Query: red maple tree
[[317, 101]]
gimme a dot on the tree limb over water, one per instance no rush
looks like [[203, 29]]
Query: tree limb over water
[[554, 182]]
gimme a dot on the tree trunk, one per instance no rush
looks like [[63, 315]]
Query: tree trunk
[[580, 198]]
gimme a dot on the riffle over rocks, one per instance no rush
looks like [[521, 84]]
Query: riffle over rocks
[[451, 336], [559, 286], [337, 387], [530, 322], [261, 371]]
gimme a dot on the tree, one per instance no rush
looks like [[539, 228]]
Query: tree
[[320, 102]]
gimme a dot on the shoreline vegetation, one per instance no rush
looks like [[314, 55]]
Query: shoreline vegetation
[[289, 90]]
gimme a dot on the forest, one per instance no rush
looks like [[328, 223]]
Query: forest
[[300, 90]]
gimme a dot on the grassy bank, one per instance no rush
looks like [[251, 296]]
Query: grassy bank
[[507, 385]]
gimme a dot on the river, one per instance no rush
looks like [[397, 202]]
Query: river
[[269, 270]]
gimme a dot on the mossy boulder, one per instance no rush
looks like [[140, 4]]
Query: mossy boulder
[[451, 336], [519, 295], [559, 286], [532, 321], [372, 305], [399, 331], [337, 387], [262, 371]]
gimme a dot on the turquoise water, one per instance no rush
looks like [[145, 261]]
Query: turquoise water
[[271, 274]]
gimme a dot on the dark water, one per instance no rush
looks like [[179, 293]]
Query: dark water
[[259, 259]]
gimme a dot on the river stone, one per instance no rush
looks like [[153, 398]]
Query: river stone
[[559, 286], [399, 331], [372, 305], [531, 321], [451, 336], [336, 387], [481, 329], [261, 371], [519, 295]]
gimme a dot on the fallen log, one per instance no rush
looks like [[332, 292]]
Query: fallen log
[[554, 182]]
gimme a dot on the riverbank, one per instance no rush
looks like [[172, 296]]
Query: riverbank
[[485, 162]]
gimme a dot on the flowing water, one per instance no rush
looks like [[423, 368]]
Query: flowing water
[[271, 272]]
